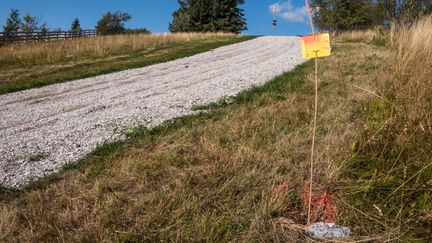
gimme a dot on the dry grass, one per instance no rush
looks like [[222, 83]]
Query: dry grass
[[234, 174], [377, 36], [101, 46], [411, 87], [361, 35], [409, 128], [392, 167]]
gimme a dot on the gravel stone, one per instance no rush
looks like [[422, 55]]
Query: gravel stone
[[66, 121], [328, 231]]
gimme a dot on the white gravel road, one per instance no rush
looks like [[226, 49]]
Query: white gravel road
[[43, 129]]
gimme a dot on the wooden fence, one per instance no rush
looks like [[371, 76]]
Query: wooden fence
[[45, 36]]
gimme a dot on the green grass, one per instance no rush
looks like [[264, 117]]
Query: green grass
[[36, 157], [8, 193], [394, 179], [38, 75]]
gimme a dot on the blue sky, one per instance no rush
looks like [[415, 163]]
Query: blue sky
[[156, 15]]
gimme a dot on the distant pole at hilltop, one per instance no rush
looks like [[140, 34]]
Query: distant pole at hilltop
[[274, 24]]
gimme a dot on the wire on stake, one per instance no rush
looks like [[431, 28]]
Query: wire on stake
[[313, 47]]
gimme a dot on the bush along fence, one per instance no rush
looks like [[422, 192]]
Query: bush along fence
[[45, 35]]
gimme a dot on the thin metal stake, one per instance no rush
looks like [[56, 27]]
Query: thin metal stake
[[312, 157], [274, 23]]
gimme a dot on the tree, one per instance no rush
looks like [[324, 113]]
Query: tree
[[200, 15], [44, 29], [112, 23], [228, 17], [340, 15], [181, 21], [30, 23], [209, 16], [403, 11], [13, 23], [192, 16], [76, 26]]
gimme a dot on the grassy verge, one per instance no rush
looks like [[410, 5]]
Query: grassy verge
[[29, 65], [235, 173]]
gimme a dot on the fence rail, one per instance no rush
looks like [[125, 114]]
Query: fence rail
[[44, 36]]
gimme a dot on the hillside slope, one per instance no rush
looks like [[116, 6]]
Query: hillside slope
[[237, 173], [207, 177]]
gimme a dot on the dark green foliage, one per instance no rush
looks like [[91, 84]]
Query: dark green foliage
[[30, 23], [76, 26], [37, 157], [7, 193], [209, 16], [112, 23], [44, 28], [181, 20], [403, 11], [192, 16], [13, 23], [341, 15], [227, 16], [137, 31]]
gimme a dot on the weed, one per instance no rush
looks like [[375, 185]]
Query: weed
[[224, 101], [37, 157]]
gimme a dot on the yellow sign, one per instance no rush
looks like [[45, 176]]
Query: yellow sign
[[316, 45]]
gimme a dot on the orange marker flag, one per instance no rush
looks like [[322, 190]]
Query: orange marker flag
[[315, 45]]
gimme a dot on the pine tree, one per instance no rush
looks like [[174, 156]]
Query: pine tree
[[192, 16], [209, 16], [200, 15], [180, 21], [228, 17], [76, 26], [13, 23]]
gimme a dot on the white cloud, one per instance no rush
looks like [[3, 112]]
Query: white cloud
[[288, 12]]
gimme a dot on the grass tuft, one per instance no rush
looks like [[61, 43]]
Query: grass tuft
[[37, 157]]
